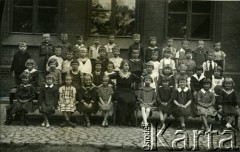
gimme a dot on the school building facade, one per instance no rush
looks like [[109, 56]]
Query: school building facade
[[210, 21]]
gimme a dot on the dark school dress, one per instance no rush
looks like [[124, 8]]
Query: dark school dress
[[136, 66], [165, 95], [48, 99], [125, 95], [26, 93], [88, 95], [18, 65], [182, 96], [97, 78], [229, 102]]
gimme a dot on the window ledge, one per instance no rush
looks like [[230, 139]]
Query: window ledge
[[31, 39]]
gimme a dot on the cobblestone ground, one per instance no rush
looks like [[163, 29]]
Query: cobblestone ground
[[96, 136]]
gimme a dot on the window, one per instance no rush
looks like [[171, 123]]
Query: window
[[189, 19], [113, 17], [35, 16]]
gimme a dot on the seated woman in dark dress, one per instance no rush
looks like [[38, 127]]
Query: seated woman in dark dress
[[124, 93]]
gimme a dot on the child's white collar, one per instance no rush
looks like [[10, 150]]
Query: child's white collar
[[33, 70], [47, 86], [204, 91], [135, 60], [228, 92], [200, 78], [184, 90], [123, 75]]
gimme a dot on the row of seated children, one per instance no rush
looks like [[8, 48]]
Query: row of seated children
[[179, 101]]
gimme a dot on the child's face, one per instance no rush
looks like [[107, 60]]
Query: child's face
[[69, 56], [98, 67], [189, 55], [199, 72], [105, 82], [96, 41], [153, 42], [22, 48], [87, 81], [110, 67], [206, 86], [165, 83], [185, 45], [154, 57], [149, 69], [53, 65], [49, 81], [135, 54], [30, 66], [136, 39], [210, 57], [111, 39], [200, 45], [80, 41], [25, 80], [228, 85], [170, 43], [102, 53], [125, 67], [167, 55], [182, 83], [46, 38], [147, 81], [58, 51], [116, 52], [83, 52], [217, 46], [74, 66], [68, 81], [167, 70], [217, 73], [64, 38]]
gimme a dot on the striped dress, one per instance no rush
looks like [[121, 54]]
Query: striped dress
[[67, 98]]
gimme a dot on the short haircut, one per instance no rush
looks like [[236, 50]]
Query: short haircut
[[123, 62], [52, 60]]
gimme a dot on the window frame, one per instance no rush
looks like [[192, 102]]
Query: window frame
[[189, 14], [35, 12], [112, 24]]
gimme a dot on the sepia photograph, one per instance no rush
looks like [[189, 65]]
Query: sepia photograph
[[119, 75]]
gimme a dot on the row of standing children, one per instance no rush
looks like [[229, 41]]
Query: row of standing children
[[184, 60]]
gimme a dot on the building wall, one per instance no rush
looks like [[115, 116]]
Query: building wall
[[230, 33], [151, 23]]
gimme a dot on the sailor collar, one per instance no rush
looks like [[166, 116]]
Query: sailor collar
[[200, 78], [32, 71], [228, 92]]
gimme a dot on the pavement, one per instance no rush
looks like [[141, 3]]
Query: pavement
[[112, 137]]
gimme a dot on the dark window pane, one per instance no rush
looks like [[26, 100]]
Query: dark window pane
[[201, 6], [100, 22], [22, 20], [47, 20], [125, 17], [22, 2], [177, 26], [51, 3], [200, 27], [102, 4], [177, 5]]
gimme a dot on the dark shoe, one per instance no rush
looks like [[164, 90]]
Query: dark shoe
[[8, 122], [26, 123], [63, 124], [71, 124]]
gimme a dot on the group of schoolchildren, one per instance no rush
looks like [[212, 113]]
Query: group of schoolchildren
[[68, 78]]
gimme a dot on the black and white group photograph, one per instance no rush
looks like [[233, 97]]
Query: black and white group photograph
[[119, 75]]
